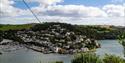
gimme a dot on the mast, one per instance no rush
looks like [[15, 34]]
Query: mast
[[31, 11]]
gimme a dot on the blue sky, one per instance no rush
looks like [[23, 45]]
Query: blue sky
[[82, 11], [20, 4], [67, 2], [95, 3], [87, 2]]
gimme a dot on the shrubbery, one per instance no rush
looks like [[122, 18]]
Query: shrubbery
[[93, 58], [1, 34], [58, 62], [122, 40], [86, 58], [113, 59]]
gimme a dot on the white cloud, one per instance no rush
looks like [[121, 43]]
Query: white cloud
[[117, 21], [6, 8], [114, 10], [62, 10], [46, 2], [75, 14], [70, 11], [109, 10]]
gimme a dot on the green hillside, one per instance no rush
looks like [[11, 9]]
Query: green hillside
[[15, 27]]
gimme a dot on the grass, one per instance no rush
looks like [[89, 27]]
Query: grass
[[14, 27], [86, 58], [93, 58], [113, 59]]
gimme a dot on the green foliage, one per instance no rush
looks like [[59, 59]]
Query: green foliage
[[10, 34], [93, 58], [86, 58], [1, 36], [113, 59], [122, 39], [98, 32], [58, 62], [15, 27]]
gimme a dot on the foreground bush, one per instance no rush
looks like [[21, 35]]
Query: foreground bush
[[86, 58], [1, 34], [93, 58], [58, 62], [122, 40], [113, 59]]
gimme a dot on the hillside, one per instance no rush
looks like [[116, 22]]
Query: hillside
[[98, 32]]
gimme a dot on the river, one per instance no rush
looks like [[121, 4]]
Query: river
[[29, 56]]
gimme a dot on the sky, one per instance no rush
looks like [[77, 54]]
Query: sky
[[81, 12]]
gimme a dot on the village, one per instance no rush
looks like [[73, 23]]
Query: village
[[56, 39]]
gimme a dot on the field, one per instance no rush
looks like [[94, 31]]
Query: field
[[14, 27]]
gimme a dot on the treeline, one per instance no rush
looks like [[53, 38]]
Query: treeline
[[100, 33]]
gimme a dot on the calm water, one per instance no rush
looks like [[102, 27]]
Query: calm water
[[28, 56]]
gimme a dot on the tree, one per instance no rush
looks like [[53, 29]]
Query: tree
[[122, 40], [1, 34]]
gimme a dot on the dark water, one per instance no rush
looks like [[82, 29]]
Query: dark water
[[28, 56]]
